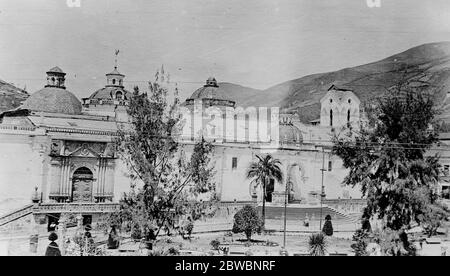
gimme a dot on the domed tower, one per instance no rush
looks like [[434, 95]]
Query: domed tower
[[110, 100], [114, 79], [210, 95], [54, 98], [56, 78]]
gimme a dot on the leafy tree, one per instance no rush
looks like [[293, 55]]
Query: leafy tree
[[248, 221], [262, 171], [387, 158], [317, 244], [327, 228], [172, 185]]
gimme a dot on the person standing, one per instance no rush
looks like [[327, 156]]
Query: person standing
[[53, 248]]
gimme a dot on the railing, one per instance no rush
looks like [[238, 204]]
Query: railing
[[46, 208], [15, 127], [5, 219], [346, 206]]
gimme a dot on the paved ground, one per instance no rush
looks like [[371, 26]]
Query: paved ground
[[296, 240]]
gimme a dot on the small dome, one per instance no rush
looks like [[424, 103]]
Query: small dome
[[212, 94], [57, 70], [110, 93], [54, 100], [115, 72]]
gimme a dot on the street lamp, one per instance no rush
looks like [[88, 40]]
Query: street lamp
[[322, 193], [283, 251]]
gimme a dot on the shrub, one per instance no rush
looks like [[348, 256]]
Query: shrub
[[189, 229], [247, 221], [360, 237], [317, 244], [173, 251], [136, 232], [328, 226], [215, 244]]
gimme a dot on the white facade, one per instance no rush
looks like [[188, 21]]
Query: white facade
[[339, 108]]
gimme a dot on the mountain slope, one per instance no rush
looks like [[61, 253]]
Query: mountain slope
[[11, 96], [429, 62]]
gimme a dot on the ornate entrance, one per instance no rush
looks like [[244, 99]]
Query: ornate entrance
[[82, 185]]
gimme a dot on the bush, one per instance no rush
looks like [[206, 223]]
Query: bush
[[215, 244], [173, 251], [189, 229], [360, 237], [136, 233], [328, 226], [317, 244], [247, 221]]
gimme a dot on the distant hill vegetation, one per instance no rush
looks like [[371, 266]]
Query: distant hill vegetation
[[11, 96], [428, 62]]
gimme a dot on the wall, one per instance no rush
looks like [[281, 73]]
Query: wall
[[21, 169]]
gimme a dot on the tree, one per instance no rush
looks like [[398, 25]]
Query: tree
[[328, 226], [172, 185], [387, 158], [248, 221], [317, 244], [262, 171]]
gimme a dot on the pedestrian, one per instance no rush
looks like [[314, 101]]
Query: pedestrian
[[306, 221], [53, 248]]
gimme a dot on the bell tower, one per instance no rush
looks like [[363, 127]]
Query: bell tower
[[115, 79], [56, 78]]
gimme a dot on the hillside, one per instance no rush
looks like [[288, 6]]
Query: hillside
[[430, 62], [10, 96]]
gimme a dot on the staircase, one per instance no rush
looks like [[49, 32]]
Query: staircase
[[17, 214], [299, 213]]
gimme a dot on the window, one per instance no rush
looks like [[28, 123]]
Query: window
[[348, 116], [119, 95], [234, 163], [330, 166], [331, 117], [114, 81], [349, 101]]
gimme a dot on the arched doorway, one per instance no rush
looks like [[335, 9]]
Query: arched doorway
[[295, 181], [270, 188], [82, 185]]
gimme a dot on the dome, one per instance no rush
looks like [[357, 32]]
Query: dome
[[288, 133], [110, 93], [54, 100], [56, 70], [212, 94]]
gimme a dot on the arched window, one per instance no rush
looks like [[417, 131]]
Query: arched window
[[114, 81], [119, 95], [348, 116], [331, 117]]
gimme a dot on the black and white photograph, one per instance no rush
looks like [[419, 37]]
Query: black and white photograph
[[257, 129]]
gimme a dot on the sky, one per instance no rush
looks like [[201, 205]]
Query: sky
[[255, 43]]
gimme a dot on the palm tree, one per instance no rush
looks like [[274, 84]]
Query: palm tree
[[262, 171]]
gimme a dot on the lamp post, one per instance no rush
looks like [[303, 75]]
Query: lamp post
[[283, 250], [322, 193]]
